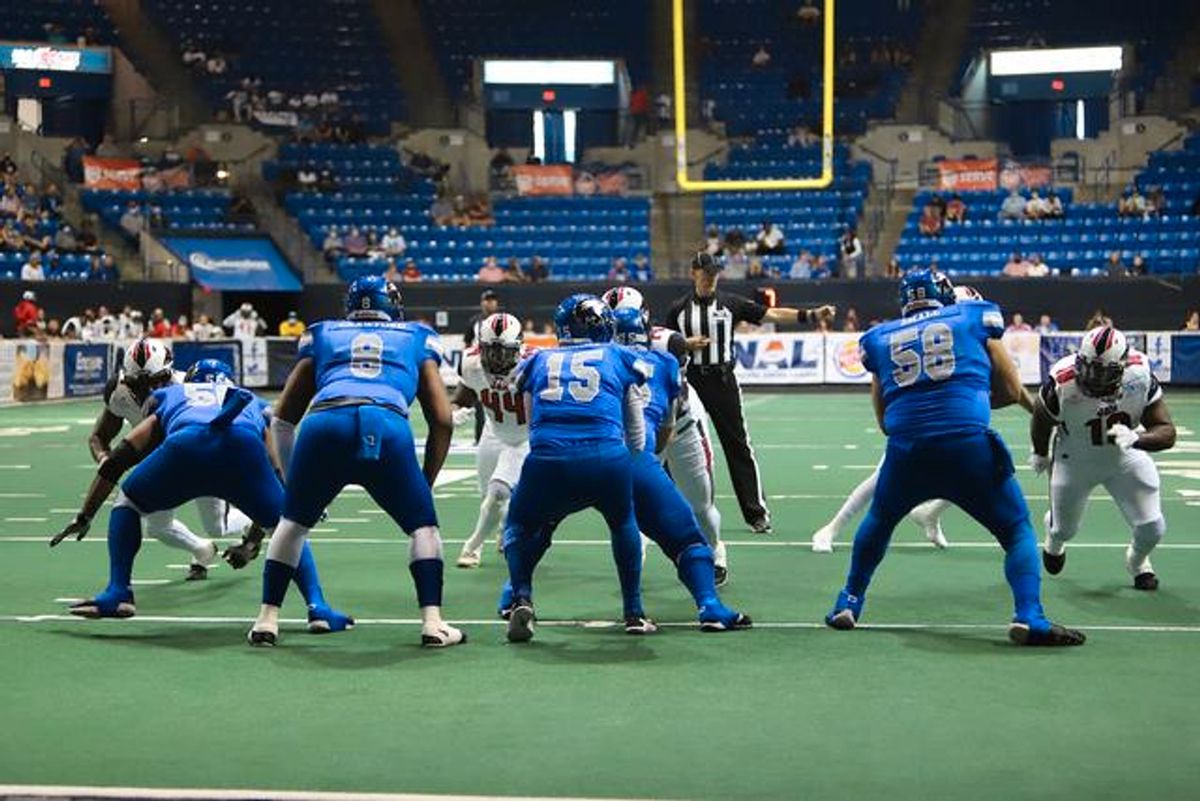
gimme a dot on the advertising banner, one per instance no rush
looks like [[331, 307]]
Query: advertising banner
[[544, 179], [1024, 348], [30, 377], [779, 358], [101, 173], [238, 263], [1015, 175], [255, 363], [967, 174], [188, 353], [8, 363], [55, 58], [85, 368], [1185, 359], [1158, 351], [843, 360]]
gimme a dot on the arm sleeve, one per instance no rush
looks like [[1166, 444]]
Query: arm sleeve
[[634, 419], [1049, 395], [746, 310], [433, 350]]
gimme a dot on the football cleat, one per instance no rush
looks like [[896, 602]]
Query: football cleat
[[262, 638], [762, 526], [934, 534], [104, 606], [639, 625], [521, 621], [718, 617], [1053, 636], [470, 557], [720, 575], [822, 539], [1143, 572], [442, 636], [324, 619], [1053, 563], [846, 612], [196, 572], [1147, 582]]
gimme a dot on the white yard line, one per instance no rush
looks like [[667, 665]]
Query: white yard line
[[204, 794]]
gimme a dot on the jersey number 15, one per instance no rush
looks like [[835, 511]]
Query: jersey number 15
[[935, 357], [583, 383]]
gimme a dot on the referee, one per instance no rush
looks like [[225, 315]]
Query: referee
[[707, 318]]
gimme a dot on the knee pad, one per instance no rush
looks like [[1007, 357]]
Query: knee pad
[[425, 543], [1150, 534], [287, 542]]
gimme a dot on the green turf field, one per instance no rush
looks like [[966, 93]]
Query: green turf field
[[932, 704]]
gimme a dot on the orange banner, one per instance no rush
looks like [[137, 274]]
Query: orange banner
[[101, 173], [963, 174], [544, 179]]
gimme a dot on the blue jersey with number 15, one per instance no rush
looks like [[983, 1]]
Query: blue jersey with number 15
[[371, 359], [578, 393], [934, 369]]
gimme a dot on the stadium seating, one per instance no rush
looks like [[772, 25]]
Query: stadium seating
[[26, 21], [276, 47], [1078, 244], [1177, 174], [57, 266], [183, 209]]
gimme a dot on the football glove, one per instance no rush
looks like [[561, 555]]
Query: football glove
[[1122, 436], [1038, 464], [77, 528], [246, 551], [462, 415]]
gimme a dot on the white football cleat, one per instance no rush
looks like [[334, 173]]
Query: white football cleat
[[931, 524], [822, 540], [441, 635], [470, 557]]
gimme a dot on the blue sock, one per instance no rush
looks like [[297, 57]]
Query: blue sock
[[276, 577], [427, 575], [308, 581], [870, 544], [696, 571], [627, 553], [124, 542], [523, 550], [1023, 569]]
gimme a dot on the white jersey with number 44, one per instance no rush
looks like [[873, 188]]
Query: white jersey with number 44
[[507, 417], [1084, 421]]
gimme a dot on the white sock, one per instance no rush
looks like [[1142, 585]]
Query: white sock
[[164, 527], [1145, 539], [492, 509], [860, 499], [287, 542]]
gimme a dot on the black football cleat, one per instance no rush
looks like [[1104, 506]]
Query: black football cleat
[[1055, 637], [521, 621], [1053, 564], [262, 639], [196, 572], [762, 526], [1147, 582], [721, 575]]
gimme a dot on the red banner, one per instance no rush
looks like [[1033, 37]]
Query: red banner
[[544, 179], [101, 173], [955, 175]]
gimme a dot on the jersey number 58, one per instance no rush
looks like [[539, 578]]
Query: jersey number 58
[[935, 357]]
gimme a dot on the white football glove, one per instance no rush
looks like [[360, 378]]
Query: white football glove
[[1122, 436], [1038, 464], [462, 415]]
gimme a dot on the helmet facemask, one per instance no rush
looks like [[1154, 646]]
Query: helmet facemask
[[1098, 378], [499, 358]]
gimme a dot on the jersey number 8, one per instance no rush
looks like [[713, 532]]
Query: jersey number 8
[[584, 382], [936, 358], [366, 356]]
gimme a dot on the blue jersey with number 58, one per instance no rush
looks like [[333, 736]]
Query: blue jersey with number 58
[[934, 370], [371, 359], [179, 406], [578, 393]]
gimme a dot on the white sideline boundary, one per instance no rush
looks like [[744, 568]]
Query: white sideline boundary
[[201, 620], [201, 794]]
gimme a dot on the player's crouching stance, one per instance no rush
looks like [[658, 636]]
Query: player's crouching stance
[[203, 438], [361, 376], [1094, 400], [931, 387]]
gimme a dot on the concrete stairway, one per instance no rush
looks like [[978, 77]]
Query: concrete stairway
[[417, 69]]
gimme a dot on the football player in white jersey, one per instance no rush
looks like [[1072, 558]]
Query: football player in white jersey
[[147, 366], [486, 373], [688, 454], [1106, 411]]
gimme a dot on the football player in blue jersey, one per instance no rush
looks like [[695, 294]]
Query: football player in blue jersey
[[205, 437], [934, 371], [585, 419], [361, 376], [662, 513]]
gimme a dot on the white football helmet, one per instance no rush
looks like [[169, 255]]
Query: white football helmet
[[500, 340], [148, 360], [626, 297], [1100, 362], [966, 293]]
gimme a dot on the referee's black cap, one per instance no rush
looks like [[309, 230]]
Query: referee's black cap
[[703, 260]]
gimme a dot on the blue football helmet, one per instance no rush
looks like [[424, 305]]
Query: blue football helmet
[[373, 297], [924, 288], [584, 318], [209, 371], [631, 326]]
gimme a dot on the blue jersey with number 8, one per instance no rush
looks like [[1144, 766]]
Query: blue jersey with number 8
[[578, 393], [371, 359], [934, 370]]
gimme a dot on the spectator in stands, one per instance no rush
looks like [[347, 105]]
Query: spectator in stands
[[755, 271], [801, 269], [32, 236], [102, 268], [442, 210], [491, 272], [1156, 202], [1013, 207], [853, 255], [956, 209], [393, 243], [1036, 208], [26, 314], [1037, 267], [736, 265], [735, 240], [1017, 325], [664, 110], [769, 241], [1016, 266], [801, 136], [133, 222], [155, 219], [159, 326], [712, 241], [32, 270], [513, 274], [619, 272], [820, 268], [641, 271], [205, 329], [332, 245], [355, 244], [10, 202], [639, 114], [193, 56], [51, 200], [64, 240], [1046, 325], [479, 212], [411, 273], [1139, 265], [216, 65], [1192, 321], [7, 165], [86, 237], [293, 326], [1114, 267], [893, 268], [1132, 203], [850, 321], [180, 328], [538, 270], [931, 221], [306, 177], [10, 237], [1054, 207], [761, 58], [808, 13]]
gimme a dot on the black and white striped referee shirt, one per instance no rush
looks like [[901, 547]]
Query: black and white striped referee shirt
[[714, 317]]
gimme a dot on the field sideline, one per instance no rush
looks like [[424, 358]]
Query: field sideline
[[930, 702]]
